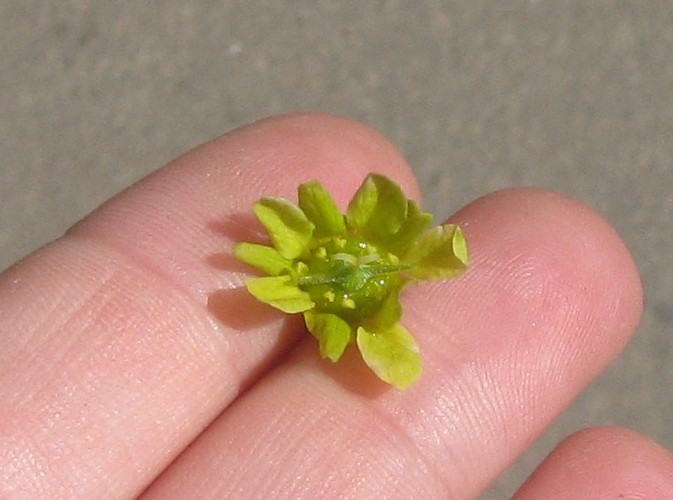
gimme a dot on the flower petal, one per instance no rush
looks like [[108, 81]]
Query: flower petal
[[264, 258], [378, 208], [319, 207], [332, 332], [289, 228], [392, 354], [415, 223], [438, 254], [280, 292], [388, 315]]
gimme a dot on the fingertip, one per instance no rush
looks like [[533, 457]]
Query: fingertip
[[603, 462], [536, 254], [550, 298], [336, 150], [199, 205], [132, 306]]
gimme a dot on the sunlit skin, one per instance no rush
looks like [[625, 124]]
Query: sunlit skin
[[134, 364]]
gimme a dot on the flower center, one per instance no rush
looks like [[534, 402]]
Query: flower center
[[349, 277]]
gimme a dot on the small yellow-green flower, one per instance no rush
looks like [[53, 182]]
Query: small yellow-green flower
[[345, 272]]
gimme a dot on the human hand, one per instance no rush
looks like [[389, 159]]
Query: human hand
[[131, 360]]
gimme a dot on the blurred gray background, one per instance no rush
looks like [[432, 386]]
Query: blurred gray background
[[576, 96]]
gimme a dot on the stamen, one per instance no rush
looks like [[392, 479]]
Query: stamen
[[366, 259], [345, 257]]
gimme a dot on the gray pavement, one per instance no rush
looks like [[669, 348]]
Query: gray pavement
[[575, 96]]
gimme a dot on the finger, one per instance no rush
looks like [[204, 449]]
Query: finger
[[122, 340], [550, 298], [602, 463]]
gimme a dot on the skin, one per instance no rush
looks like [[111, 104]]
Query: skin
[[133, 363]]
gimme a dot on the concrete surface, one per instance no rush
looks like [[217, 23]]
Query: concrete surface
[[576, 96]]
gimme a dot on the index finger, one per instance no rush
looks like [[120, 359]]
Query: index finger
[[121, 341]]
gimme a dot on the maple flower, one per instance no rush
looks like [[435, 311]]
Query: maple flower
[[345, 272]]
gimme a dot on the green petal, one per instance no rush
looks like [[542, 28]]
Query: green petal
[[279, 292], [392, 354], [319, 207], [378, 209], [264, 258], [332, 332], [288, 227], [438, 254], [415, 223], [460, 246], [388, 315]]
